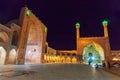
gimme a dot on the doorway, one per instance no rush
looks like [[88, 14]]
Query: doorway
[[93, 55]]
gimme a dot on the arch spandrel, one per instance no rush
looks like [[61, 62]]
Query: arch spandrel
[[4, 37]]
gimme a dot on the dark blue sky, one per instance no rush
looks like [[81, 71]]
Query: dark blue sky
[[60, 17]]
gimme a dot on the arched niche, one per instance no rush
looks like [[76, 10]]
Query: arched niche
[[93, 53], [15, 38], [12, 56], [2, 55]]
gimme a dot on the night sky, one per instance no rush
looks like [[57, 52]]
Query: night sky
[[60, 17]]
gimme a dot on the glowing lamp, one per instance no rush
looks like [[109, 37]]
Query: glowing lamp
[[28, 13], [45, 29], [105, 22], [93, 58], [77, 24]]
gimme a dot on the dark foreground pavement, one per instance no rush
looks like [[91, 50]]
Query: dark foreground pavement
[[54, 72], [113, 70]]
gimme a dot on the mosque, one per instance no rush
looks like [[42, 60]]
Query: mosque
[[23, 41]]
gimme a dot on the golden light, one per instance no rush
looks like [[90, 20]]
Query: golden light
[[2, 55], [12, 56]]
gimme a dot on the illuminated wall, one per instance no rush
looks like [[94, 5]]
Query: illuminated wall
[[31, 46], [12, 56], [2, 55], [34, 45]]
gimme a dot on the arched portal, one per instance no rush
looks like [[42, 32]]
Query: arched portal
[[12, 56], [34, 45], [93, 54], [2, 55]]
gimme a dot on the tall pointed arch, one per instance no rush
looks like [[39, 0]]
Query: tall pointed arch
[[94, 53]]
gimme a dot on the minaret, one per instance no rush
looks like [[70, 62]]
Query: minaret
[[77, 33], [77, 30], [107, 42], [105, 23]]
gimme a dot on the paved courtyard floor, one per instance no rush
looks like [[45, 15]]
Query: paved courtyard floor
[[54, 72]]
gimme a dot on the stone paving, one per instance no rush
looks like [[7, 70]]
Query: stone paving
[[54, 72], [113, 70]]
